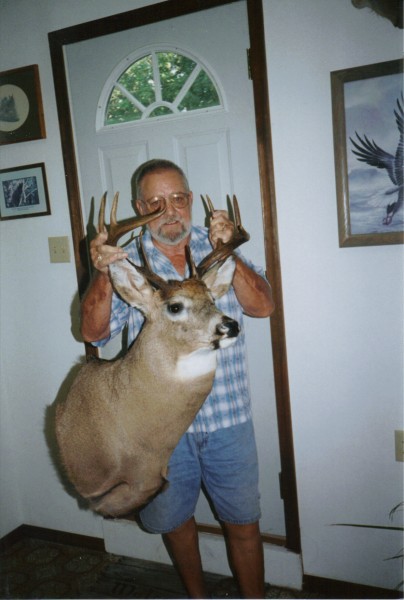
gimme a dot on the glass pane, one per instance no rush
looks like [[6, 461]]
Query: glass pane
[[174, 71], [160, 111], [139, 81], [201, 94], [120, 109]]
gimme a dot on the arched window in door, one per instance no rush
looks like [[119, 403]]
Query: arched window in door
[[159, 83]]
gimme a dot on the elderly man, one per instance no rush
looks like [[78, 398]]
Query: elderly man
[[218, 450]]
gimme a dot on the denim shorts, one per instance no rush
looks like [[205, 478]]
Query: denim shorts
[[225, 462]]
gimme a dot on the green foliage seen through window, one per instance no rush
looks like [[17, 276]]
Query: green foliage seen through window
[[159, 84]]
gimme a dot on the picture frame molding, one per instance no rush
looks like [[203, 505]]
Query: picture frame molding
[[26, 79], [338, 80], [40, 209]]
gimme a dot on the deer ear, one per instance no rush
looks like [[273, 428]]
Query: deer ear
[[219, 277], [131, 284]]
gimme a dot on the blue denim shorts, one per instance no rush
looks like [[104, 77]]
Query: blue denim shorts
[[225, 462]]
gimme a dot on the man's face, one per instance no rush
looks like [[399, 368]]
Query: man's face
[[175, 224]]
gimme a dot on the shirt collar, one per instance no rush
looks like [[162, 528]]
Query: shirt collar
[[159, 262]]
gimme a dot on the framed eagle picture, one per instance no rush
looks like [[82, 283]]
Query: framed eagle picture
[[368, 124]]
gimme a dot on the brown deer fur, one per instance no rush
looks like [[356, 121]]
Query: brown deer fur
[[122, 419]]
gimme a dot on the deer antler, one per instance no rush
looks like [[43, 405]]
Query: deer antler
[[223, 250], [146, 270], [155, 279], [117, 230], [219, 254]]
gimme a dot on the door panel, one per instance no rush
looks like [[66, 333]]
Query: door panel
[[217, 150]]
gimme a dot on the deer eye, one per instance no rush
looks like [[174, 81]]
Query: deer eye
[[175, 308]]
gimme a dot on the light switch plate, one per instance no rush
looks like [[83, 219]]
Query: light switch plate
[[59, 249]]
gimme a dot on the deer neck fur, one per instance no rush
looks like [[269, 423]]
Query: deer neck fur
[[185, 371]]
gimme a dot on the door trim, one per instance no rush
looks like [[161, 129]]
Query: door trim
[[145, 16]]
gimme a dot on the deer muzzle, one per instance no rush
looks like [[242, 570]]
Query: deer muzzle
[[227, 331]]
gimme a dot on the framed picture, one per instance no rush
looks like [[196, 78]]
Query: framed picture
[[21, 112], [23, 192], [368, 123]]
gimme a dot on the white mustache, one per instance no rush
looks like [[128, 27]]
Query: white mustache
[[172, 221], [175, 236]]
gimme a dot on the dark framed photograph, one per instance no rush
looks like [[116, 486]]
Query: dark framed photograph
[[368, 124], [21, 111], [23, 192]]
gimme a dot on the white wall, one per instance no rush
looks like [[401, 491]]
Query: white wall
[[343, 306]]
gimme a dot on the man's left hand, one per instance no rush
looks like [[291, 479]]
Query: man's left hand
[[220, 228]]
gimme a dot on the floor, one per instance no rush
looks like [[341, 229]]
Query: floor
[[41, 563], [35, 568]]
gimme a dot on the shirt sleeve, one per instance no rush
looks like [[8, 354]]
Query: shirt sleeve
[[119, 318]]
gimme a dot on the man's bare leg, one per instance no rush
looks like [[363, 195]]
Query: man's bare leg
[[247, 557], [183, 545]]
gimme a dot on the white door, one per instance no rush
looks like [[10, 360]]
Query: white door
[[216, 148]]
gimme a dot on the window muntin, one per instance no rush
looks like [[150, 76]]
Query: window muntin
[[159, 84]]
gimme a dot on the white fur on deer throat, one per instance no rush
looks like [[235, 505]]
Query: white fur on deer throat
[[200, 362]]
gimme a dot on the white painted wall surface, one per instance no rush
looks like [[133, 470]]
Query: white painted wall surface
[[343, 307]]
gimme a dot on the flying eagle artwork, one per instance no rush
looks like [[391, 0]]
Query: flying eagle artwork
[[369, 152]]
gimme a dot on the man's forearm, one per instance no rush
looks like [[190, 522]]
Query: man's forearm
[[96, 309], [252, 291]]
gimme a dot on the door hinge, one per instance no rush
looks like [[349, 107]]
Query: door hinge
[[249, 64]]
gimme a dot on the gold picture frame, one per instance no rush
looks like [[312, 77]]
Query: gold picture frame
[[21, 110], [367, 106]]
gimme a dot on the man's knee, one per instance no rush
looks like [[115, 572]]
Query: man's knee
[[242, 532], [185, 530]]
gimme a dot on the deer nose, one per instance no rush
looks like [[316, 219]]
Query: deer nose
[[228, 327]]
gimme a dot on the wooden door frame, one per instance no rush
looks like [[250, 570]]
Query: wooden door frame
[[145, 16]]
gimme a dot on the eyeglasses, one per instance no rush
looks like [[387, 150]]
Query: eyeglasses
[[178, 200]]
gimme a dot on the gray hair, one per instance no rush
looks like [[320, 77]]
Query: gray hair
[[152, 166]]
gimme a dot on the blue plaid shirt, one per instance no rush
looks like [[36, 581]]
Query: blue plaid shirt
[[229, 401]]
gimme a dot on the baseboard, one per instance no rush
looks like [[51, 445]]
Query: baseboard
[[345, 589], [51, 535]]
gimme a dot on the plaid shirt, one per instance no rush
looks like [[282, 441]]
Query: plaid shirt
[[229, 401]]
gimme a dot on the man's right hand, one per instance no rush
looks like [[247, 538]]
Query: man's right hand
[[102, 254]]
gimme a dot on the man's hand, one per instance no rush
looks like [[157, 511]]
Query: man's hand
[[102, 254], [253, 292], [220, 227]]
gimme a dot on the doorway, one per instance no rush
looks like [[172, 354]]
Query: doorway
[[61, 42]]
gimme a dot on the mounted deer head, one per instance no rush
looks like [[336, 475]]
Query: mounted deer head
[[122, 419]]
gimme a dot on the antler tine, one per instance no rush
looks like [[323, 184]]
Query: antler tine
[[223, 250], [101, 214], [210, 204], [114, 208], [237, 219], [142, 253], [236, 211], [152, 277], [155, 280], [192, 267], [118, 229]]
